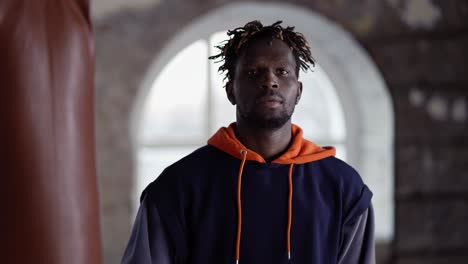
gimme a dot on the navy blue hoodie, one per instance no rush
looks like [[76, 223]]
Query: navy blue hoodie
[[224, 204]]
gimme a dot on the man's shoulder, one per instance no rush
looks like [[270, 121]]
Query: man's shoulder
[[341, 171], [353, 192], [199, 158], [190, 165]]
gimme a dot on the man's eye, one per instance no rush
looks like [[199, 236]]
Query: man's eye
[[283, 72], [251, 72]]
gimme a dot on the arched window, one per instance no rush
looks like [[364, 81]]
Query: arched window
[[344, 103]]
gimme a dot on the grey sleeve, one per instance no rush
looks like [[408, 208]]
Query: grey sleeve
[[358, 240], [148, 242]]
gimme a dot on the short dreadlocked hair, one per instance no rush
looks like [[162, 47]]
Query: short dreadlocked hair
[[230, 50]]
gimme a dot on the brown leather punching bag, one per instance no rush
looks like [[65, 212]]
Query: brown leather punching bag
[[48, 193]]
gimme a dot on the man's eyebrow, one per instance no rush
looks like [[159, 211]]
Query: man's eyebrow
[[281, 62]]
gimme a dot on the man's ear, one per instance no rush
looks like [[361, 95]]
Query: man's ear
[[299, 92], [230, 92]]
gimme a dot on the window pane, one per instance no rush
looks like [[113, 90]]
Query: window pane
[[340, 151], [152, 161], [223, 111], [175, 109], [319, 112]]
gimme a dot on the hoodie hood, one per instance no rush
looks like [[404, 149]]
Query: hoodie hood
[[300, 150]]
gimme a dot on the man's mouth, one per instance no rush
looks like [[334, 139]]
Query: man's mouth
[[269, 98], [270, 101]]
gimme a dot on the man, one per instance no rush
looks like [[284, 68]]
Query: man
[[258, 192]]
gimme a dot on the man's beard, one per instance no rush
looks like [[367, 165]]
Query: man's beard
[[255, 119]]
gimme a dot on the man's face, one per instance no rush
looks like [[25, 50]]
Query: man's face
[[265, 86]]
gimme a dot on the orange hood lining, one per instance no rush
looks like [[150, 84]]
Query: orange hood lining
[[300, 151]]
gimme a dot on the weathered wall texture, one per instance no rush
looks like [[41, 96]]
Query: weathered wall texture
[[418, 45]]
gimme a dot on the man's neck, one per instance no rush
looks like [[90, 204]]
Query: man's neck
[[268, 143]]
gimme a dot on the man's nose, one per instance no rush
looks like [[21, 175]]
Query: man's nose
[[269, 80]]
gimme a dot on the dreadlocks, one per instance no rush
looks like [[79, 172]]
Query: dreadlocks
[[230, 49]]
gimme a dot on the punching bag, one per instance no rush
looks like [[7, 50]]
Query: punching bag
[[48, 190]]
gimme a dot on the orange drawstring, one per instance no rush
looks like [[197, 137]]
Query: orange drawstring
[[239, 208], [290, 196]]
